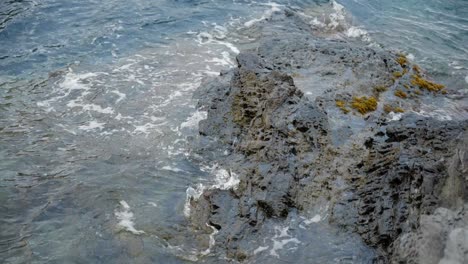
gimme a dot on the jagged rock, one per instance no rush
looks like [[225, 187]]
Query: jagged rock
[[276, 131], [399, 184], [403, 178]]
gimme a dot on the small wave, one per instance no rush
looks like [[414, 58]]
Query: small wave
[[266, 15], [194, 119], [125, 217], [335, 21], [204, 38]]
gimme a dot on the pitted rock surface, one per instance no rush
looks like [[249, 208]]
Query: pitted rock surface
[[276, 132], [273, 121]]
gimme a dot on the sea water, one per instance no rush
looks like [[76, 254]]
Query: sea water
[[97, 118]]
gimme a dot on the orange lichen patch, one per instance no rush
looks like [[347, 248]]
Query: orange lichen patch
[[402, 60], [401, 94], [444, 91], [364, 105], [389, 108], [398, 110], [397, 74], [416, 69], [342, 106], [419, 81], [340, 103], [406, 86], [417, 92], [405, 71]]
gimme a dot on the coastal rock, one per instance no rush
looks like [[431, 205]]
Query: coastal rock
[[288, 123], [275, 132], [403, 180]]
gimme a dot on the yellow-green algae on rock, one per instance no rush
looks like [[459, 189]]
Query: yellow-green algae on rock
[[364, 104], [419, 81]]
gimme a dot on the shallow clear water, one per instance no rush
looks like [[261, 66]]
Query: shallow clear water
[[96, 118]]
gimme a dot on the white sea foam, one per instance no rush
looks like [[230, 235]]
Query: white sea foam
[[456, 65], [219, 32], [77, 82], [260, 249], [121, 95], [356, 32], [226, 60], [71, 82], [74, 81], [279, 244], [336, 21], [279, 241], [194, 119], [266, 15], [338, 17], [192, 194], [145, 128], [204, 38], [126, 217], [395, 116], [317, 23], [190, 255], [92, 125], [225, 179], [320, 215], [211, 242], [90, 107], [317, 218]]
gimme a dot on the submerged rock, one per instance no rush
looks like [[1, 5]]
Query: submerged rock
[[400, 182]]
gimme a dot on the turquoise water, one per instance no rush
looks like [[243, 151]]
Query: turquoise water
[[96, 116]]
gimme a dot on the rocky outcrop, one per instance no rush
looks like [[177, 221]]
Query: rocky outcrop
[[275, 133], [398, 188], [290, 124]]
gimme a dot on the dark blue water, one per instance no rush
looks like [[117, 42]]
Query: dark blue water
[[96, 118]]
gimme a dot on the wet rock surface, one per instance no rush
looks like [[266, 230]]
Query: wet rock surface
[[395, 176], [275, 132]]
